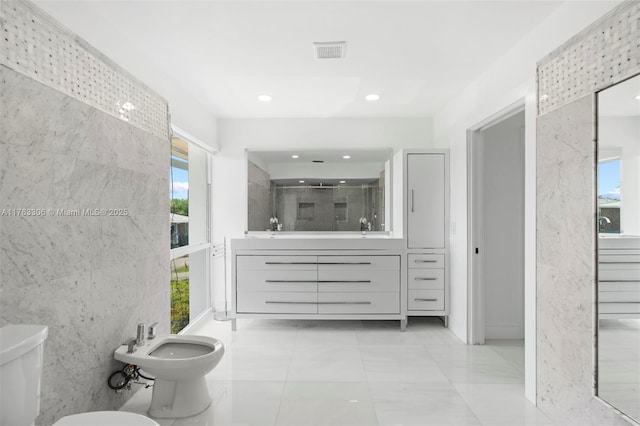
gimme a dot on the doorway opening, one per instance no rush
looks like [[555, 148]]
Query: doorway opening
[[496, 212]]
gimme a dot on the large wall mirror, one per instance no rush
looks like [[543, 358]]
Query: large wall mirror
[[319, 190], [619, 246]]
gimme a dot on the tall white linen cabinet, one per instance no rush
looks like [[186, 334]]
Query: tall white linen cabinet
[[426, 231]]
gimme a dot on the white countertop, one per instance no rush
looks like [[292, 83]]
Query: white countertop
[[318, 241]]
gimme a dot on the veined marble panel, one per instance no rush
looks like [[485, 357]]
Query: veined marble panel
[[566, 266], [91, 279], [93, 137]]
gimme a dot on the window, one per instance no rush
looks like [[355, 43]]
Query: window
[[190, 233], [179, 192]]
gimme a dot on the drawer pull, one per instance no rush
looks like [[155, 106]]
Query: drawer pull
[[344, 263], [289, 263], [345, 281], [424, 279], [289, 281], [425, 261], [426, 300], [290, 303], [344, 303]]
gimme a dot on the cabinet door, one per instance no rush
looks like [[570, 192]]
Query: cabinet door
[[426, 200]]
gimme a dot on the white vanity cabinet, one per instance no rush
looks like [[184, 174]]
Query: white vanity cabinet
[[426, 230], [318, 286]]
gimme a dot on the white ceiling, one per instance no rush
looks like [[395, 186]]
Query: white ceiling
[[414, 54]]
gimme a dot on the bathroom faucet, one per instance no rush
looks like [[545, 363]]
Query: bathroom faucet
[[152, 331]]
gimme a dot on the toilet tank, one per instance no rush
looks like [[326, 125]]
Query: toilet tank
[[21, 349]]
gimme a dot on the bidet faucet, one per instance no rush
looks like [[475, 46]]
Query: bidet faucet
[[131, 345], [152, 331], [140, 334]]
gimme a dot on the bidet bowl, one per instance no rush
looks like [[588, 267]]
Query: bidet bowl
[[175, 357]]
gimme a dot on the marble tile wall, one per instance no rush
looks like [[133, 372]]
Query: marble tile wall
[[566, 266], [566, 239], [35, 45], [606, 52], [91, 279]]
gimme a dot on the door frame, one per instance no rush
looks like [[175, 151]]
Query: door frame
[[475, 212]]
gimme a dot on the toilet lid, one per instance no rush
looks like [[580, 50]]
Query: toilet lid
[[106, 418]]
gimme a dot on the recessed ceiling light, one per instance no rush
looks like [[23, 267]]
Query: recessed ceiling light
[[295, 156], [300, 181], [638, 97], [264, 98], [343, 181], [372, 97], [346, 157]]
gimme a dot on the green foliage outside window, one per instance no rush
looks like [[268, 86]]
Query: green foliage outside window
[[179, 294], [179, 305], [180, 206]]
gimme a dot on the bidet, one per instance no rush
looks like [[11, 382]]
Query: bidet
[[179, 364]]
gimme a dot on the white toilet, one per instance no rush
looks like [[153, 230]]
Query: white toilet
[[106, 418], [21, 350], [179, 364]]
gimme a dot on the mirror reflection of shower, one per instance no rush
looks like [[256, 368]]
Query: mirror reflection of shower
[[326, 206], [318, 190]]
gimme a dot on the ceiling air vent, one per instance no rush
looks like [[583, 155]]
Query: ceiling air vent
[[330, 49]]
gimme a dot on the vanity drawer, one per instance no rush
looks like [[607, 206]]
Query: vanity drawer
[[426, 279], [377, 263], [422, 261], [619, 308], [306, 263], [358, 280], [277, 302], [359, 303], [619, 296], [275, 280], [426, 300], [621, 274]]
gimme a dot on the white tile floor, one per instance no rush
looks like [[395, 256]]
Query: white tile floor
[[359, 373]]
